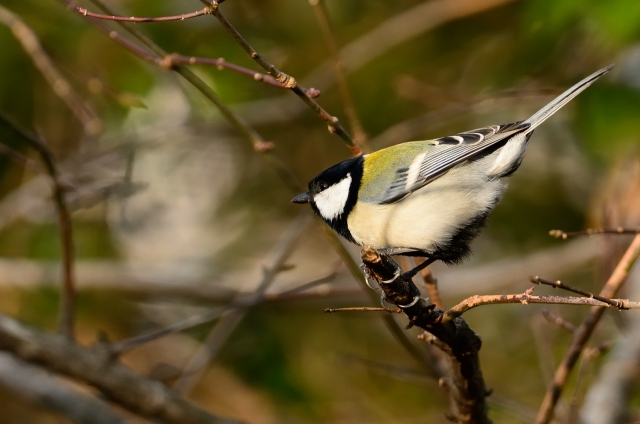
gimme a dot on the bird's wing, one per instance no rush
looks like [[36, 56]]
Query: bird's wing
[[445, 153]]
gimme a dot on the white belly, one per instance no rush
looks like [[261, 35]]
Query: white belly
[[431, 215]]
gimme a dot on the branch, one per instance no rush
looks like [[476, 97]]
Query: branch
[[64, 223], [85, 12], [143, 396], [160, 58], [60, 86], [526, 298], [560, 285], [220, 63], [584, 331], [219, 334], [287, 80], [592, 231], [41, 389], [322, 15], [466, 385]]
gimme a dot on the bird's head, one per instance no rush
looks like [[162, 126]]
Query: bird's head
[[334, 192]]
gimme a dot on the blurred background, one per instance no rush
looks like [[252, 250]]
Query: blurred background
[[174, 212]]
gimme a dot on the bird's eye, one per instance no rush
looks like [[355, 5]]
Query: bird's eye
[[323, 186]]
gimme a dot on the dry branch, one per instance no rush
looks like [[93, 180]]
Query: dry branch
[[64, 223], [60, 86], [44, 390], [287, 80], [584, 331], [466, 385], [143, 396]]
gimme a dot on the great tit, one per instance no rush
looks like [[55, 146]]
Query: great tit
[[427, 198]]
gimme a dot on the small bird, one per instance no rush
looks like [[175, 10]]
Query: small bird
[[427, 198]]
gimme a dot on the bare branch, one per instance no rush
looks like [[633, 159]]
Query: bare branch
[[558, 320], [527, 298], [287, 80], [85, 12], [44, 390], [466, 384], [424, 357], [322, 15], [362, 309], [560, 285], [60, 86], [592, 231], [245, 301], [584, 331], [64, 223], [143, 396], [224, 328], [223, 64], [160, 58]]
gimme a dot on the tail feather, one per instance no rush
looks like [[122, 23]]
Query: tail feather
[[540, 116]]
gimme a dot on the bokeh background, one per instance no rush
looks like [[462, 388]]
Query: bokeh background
[[174, 212]]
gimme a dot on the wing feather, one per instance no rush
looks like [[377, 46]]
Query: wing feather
[[446, 153]]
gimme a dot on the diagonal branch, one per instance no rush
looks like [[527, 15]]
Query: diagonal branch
[[287, 80], [60, 86], [584, 331], [64, 222], [322, 15], [465, 383], [143, 396]]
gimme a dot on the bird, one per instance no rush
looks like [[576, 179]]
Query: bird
[[427, 198]]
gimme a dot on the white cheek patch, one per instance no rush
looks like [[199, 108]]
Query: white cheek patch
[[331, 202]]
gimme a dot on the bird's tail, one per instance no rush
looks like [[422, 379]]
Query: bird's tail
[[540, 116]]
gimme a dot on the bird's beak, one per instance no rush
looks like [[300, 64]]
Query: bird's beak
[[302, 198]]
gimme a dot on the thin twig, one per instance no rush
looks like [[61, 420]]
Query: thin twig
[[526, 298], [362, 309], [246, 301], [59, 84], [221, 63], [160, 58], [560, 285], [592, 231], [430, 284], [287, 80], [225, 326], [584, 331], [64, 223], [322, 15], [85, 12], [558, 320]]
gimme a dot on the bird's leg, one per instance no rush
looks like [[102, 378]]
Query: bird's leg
[[412, 272]]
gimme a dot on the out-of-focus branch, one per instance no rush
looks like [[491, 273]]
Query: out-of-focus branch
[[31, 45], [245, 301], [64, 223], [592, 231], [584, 331], [43, 390], [287, 80], [322, 15], [160, 58], [225, 326], [143, 396], [558, 320], [465, 383]]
